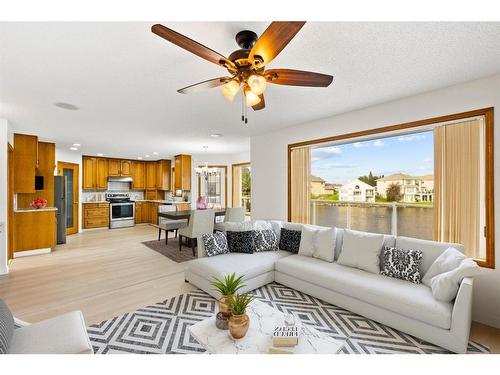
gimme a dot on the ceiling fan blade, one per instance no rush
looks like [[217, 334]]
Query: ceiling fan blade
[[273, 40], [192, 46], [200, 86], [261, 104], [293, 77]]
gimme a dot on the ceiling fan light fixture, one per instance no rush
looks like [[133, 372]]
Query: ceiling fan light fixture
[[230, 89], [257, 84], [251, 98]]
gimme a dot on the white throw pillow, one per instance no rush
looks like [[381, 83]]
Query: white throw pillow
[[445, 285], [317, 242], [447, 261], [361, 250], [307, 241]]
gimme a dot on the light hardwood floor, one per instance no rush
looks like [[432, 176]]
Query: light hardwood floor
[[105, 273]]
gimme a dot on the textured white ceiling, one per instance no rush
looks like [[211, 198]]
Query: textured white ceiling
[[124, 79]]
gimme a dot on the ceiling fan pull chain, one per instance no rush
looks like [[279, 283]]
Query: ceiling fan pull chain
[[242, 107], [246, 115]]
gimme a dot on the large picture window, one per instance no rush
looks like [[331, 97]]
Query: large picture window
[[431, 179]]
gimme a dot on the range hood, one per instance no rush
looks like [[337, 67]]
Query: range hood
[[120, 179]]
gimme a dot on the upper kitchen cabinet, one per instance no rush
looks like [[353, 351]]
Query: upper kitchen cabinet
[[117, 167], [95, 173], [25, 162], [138, 175], [163, 174], [150, 175], [182, 172]]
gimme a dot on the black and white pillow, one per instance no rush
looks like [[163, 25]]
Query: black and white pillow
[[265, 240], [402, 264], [215, 243], [290, 240], [6, 327], [241, 241]]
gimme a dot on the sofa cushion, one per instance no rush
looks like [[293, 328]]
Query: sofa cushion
[[215, 243], [64, 334], [430, 249], [402, 264], [241, 242], [414, 301], [361, 250], [6, 327], [445, 285], [446, 261], [265, 240], [250, 265], [389, 241], [318, 242], [290, 240]]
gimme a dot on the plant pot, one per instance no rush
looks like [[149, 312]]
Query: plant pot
[[238, 325], [224, 306]]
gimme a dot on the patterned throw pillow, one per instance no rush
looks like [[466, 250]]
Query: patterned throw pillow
[[215, 243], [241, 242], [265, 240], [290, 240], [402, 264], [6, 327]]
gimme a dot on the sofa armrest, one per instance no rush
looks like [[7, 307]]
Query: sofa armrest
[[20, 323], [201, 247], [462, 311]]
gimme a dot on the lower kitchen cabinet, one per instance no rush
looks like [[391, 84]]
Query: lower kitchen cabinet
[[95, 215], [153, 213], [34, 230], [146, 212]]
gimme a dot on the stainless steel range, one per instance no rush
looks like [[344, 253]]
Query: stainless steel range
[[121, 210]]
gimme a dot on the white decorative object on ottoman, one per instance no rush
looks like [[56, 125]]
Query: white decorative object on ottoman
[[263, 320]]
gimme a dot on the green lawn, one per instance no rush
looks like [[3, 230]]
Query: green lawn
[[329, 197]]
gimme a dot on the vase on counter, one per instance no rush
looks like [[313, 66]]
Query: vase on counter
[[201, 203], [39, 203]]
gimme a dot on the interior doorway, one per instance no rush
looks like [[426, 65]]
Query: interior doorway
[[241, 186], [71, 171]]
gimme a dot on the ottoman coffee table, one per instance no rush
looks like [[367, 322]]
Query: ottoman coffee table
[[263, 320]]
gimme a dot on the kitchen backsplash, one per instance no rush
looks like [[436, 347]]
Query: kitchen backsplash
[[99, 196]]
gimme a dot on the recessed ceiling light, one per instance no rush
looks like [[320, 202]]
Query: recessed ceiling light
[[73, 148], [139, 157], [216, 135], [76, 144], [205, 148], [100, 154], [68, 106], [147, 156], [155, 153]]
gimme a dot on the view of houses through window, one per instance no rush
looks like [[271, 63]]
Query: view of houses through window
[[384, 185]]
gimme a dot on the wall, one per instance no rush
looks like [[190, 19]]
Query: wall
[[227, 160], [269, 160], [76, 158], [6, 136]]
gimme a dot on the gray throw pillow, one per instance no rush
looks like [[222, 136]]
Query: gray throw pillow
[[215, 243], [6, 327], [361, 250], [402, 264]]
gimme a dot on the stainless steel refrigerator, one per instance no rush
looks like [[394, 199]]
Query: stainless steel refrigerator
[[60, 203]]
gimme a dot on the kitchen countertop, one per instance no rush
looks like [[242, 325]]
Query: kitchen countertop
[[96, 202], [44, 209], [159, 201]]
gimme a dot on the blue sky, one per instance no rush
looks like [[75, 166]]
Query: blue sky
[[411, 154]]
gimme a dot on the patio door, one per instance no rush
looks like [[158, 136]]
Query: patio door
[[71, 171], [241, 186]]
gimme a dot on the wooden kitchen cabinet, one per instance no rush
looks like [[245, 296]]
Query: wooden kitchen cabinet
[[153, 212], [141, 212], [125, 168], [114, 167], [138, 175], [151, 175], [163, 175], [34, 230], [25, 162], [95, 173], [182, 172], [95, 215]]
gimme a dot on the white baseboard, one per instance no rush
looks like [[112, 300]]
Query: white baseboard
[[20, 254]]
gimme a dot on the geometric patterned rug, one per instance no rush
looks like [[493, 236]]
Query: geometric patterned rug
[[162, 327]]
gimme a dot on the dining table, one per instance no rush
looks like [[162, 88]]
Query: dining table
[[186, 214]]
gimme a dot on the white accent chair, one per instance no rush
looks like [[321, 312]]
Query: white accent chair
[[168, 225], [233, 215], [200, 222]]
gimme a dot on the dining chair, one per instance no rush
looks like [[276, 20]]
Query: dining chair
[[234, 215], [169, 225], [200, 222]]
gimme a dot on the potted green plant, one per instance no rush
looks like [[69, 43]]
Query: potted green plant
[[239, 321], [227, 288]]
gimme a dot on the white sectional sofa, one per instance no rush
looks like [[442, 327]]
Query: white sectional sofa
[[400, 304]]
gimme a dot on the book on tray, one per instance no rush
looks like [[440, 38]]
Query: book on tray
[[285, 336]]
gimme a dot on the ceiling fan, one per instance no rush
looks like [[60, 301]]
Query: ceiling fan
[[247, 64]]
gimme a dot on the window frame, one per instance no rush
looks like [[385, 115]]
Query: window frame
[[488, 114]]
